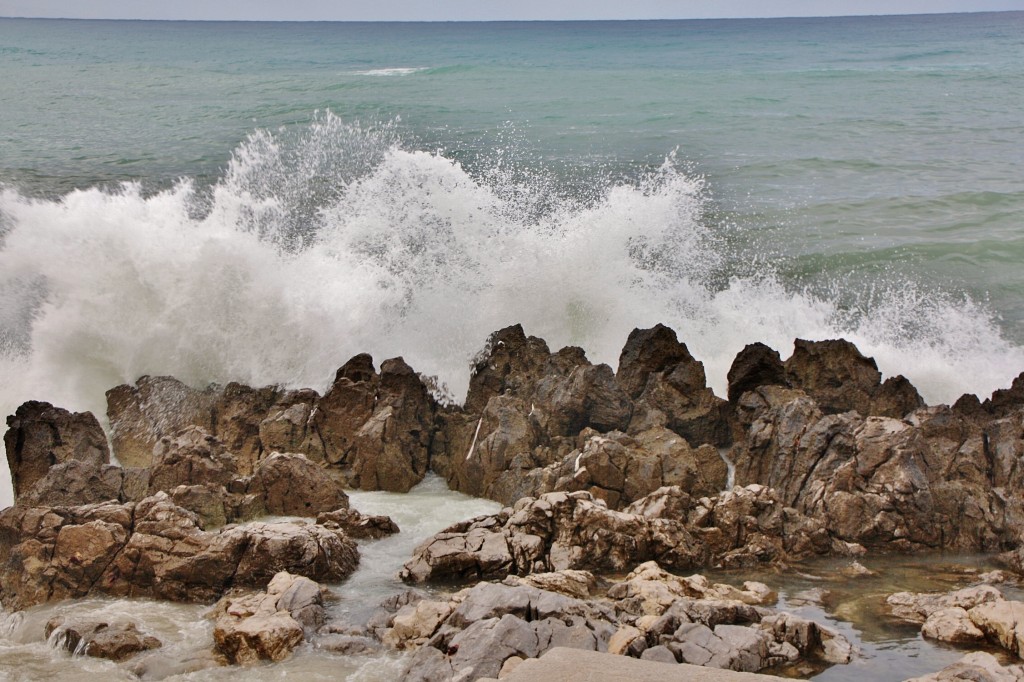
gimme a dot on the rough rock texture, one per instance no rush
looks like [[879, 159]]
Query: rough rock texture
[[978, 666], [154, 407], [670, 388], [289, 484], [756, 365], [488, 628], [840, 379], [153, 549], [524, 410], [557, 531], [970, 615], [99, 639], [934, 481], [375, 428], [268, 625], [358, 525], [40, 436]]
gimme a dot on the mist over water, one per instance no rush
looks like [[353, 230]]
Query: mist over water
[[332, 239]]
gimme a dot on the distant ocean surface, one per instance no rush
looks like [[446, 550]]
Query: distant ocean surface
[[260, 201]]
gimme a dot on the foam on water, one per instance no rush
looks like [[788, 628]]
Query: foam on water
[[319, 244]]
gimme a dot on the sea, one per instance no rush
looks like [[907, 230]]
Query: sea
[[258, 202]]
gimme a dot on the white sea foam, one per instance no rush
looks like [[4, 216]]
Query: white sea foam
[[317, 246], [395, 71]]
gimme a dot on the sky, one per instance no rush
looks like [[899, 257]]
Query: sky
[[480, 10]]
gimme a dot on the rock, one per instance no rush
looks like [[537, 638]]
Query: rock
[[660, 653], [153, 548], [288, 484], [40, 436], [289, 425], [952, 625], [348, 645], [358, 525], [669, 386], [115, 641], [627, 641], [1002, 622], [979, 666], [238, 413], [917, 607], [267, 626], [834, 374], [190, 457], [756, 365], [558, 531], [572, 583], [153, 408], [377, 428], [75, 482], [479, 630], [855, 569]]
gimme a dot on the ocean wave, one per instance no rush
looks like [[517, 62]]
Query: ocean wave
[[335, 240], [395, 71]]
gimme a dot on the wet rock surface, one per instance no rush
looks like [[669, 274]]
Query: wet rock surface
[[268, 625], [154, 548], [99, 639]]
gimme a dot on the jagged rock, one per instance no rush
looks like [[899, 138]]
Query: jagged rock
[[881, 482], [524, 411], [289, 425], [978, 666], [477, 631], [557, 531], [40, 436], [153, 549], [1006, 401], [288, 484], [99, 639], [620, 468], [654, 590], [840, 379], [669, 388], [154, 407], [377, 428], [268, 625], [75, 482], [756, 365], [238, 412], [190, 457], [358, 525]]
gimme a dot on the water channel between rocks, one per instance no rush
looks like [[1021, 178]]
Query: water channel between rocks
[[886, 649]]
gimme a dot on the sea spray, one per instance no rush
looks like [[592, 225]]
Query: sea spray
[[336, 239]]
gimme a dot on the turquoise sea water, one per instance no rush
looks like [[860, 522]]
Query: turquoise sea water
[[260, 201]]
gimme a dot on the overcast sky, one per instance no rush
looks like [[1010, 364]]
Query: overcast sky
[[472, 10]]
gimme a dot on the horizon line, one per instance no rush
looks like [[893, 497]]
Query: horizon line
[[512, 21]]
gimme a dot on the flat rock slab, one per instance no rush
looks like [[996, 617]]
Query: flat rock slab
[[575, 665]]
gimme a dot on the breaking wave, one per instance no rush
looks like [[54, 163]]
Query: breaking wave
[[336, 239]]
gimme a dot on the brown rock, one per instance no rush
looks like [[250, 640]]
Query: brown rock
[[99, 639], [756, 365], [358, 525], [41, 435], [155, 407], [267, 626], [288, 484]]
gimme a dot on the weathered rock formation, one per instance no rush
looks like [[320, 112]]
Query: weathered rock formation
[[268, 625], [558, 531], [153, 548], [41, 436], [99, 639], [374, 428], [482, 630]]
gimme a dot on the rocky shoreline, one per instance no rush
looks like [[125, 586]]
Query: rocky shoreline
[[616, 483]]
